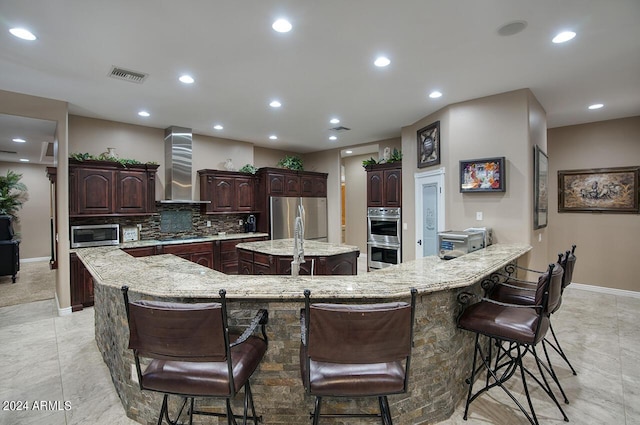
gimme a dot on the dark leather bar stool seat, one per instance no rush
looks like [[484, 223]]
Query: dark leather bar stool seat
[[356, 351], [192, 354]]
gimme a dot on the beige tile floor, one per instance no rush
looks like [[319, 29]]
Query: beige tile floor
[[54, 359]]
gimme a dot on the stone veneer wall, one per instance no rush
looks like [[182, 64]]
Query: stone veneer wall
[[151, 224], [441, 360]]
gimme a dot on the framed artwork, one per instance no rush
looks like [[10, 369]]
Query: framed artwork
[[429, 145], [540, 188], [613, 190], [482, 175]]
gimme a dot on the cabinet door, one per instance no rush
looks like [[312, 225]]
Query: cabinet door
[[306, 186], [374, 188], [143, 251], [223, 195], [81, 284], [320, 186], [291, 185], [392, 196], [244, 194], [275, 184], [203, 258], [131, 192], [95, 191]]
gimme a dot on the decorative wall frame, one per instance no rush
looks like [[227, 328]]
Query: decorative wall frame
[[482, 175], [540, 188], [612, 190], [429, 145]]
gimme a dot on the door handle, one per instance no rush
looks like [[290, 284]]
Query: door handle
[[419, 241]]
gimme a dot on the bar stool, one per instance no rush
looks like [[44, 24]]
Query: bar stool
[[520, 328], [193, 355], [356, 351]]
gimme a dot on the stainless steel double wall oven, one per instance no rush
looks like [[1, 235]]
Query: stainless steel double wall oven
[[384, 230]]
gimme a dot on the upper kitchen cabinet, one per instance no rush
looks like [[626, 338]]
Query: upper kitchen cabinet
[[106, 188], [384, 185], [228, 191], [283, 182]]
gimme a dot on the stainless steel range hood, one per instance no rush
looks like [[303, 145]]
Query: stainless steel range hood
[[177, 155]]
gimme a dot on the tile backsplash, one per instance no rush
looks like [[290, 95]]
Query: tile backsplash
[[172, 221]]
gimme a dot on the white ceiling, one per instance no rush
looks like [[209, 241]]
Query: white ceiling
[[324, 67]]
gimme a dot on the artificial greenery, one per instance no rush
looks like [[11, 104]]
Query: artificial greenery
[[396, 156], [104, 157], [291, 163], [248, 168], [13, 193], [368, 162]]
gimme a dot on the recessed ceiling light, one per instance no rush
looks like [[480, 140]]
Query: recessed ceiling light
[[218, 127], [382, 61], [563, 37], [333, 138], [19, 140], [348, 152], [334, 121], [23, 34], [275, 104], [144, 114], [282, 25], [24, 160], [187, 79], [596, 106], [273, 137], [435, 94]]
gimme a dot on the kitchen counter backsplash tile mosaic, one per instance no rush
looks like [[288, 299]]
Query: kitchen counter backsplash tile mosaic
[[154, 228]]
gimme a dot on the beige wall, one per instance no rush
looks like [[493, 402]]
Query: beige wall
[[356, 201], [329, 162], [607, 244], [54, 110], [492, 126], [33, 227], [264, 157]]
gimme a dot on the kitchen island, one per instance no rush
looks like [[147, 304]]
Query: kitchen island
[[441, 355], [275, 256]]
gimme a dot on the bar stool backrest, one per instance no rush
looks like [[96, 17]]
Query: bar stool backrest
[[178, 332], [549, 291]]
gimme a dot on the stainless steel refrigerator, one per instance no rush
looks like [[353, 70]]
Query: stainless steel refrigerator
[[283, 212]]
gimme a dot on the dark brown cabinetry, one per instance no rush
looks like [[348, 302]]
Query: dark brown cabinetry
[[143, 251], [226, 255], [384, 185], [81, 284], [198, 252], [251, 262], [229, 192], [282, 182], [103, 188]]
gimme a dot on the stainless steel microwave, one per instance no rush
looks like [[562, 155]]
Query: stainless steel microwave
[[95, 235]]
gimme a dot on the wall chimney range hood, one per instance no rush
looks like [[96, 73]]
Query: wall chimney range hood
[[177, 155]]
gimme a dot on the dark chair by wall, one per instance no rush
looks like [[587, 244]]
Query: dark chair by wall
[[515, 329], [356, 351], [193, 355], [9, 249]]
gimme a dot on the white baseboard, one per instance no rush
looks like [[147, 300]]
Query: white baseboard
[[62, 311], [35, 259], [605, 290]]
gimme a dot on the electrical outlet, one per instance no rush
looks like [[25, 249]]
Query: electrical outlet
[[240, 222], [208, 223], [479, 216]]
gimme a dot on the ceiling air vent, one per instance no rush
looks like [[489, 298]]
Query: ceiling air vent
[[340, 128], [127, 75]]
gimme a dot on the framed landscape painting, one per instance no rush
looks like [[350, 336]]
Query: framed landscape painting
[[613, 190]]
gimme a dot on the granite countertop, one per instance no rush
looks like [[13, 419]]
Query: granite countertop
[[170, 276], [154, 242], [284, 247]]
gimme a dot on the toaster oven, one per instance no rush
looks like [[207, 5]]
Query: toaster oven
[[453, 244]]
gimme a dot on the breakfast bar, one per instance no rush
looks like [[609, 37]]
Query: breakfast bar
[[441, 355]]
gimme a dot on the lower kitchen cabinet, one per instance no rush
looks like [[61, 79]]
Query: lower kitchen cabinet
[[226, 256], [198, 252], [81, 285], [143, 251], [251, 262]]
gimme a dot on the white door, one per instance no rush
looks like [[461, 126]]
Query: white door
[[430, 218]]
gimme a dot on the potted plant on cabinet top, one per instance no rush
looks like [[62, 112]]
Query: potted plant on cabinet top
[[291, 163]]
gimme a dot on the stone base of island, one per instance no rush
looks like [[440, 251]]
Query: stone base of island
[[275, 256], [441, 357]]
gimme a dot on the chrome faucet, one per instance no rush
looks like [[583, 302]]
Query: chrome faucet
[[298, 242]]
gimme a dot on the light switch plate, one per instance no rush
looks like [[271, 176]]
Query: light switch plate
[[479, 215]]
